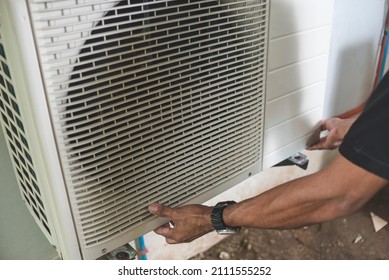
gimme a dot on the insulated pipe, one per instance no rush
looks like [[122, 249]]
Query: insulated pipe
[[383, 61], [141, 248]]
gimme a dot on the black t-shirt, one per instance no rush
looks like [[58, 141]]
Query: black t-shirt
[[367, 142]]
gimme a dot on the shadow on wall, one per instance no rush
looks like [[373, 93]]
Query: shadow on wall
[[351, 78], [355, 38]]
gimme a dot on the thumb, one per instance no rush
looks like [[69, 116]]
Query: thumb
[[161, 210]]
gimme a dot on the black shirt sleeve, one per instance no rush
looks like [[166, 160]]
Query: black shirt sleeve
[[367, 142]]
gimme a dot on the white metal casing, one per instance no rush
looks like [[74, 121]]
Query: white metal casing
[[299, 47], [38, 128]]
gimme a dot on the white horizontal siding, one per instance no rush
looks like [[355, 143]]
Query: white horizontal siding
[[297, 47], [291, 16], [297, 76], [299, 43], [282, 109], [291, 130]]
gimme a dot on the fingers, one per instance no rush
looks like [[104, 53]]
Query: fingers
[[163, 230], [161, 210], [330, 140], [170, 234], [323, 125], [318, 146], [185, 224], [325, 144], [166, 230], [314, 147]]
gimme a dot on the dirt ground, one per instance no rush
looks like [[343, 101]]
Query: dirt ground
[[349, 238]]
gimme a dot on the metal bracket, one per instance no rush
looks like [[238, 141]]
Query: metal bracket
[[125, 252], [298, 159]]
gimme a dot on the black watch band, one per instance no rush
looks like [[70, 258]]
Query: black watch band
[[217, 219]]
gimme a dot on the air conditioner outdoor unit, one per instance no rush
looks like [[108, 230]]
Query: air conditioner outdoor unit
[[110, 105]]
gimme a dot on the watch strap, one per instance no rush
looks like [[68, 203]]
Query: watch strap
[[217, 218]]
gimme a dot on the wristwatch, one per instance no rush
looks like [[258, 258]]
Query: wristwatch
[[217, 219]]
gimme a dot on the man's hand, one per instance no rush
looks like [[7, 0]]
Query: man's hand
[[186, 223], [337, 129]]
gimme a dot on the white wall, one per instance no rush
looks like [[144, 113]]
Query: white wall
[[356, 33]]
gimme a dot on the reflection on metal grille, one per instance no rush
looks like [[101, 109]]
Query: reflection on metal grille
[[152, 100]]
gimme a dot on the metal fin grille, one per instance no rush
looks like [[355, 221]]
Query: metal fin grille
[[152, 100], [19, 148]]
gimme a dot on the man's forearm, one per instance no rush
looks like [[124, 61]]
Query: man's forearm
[[285, 206], [311, 199], [307, 200]]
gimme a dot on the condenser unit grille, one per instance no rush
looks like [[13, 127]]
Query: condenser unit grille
[[17, 141], [151, 101]]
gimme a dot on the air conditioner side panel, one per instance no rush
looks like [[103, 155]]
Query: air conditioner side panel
[[34, 129], [298, 56]]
